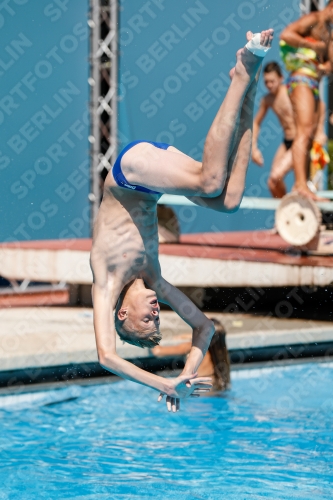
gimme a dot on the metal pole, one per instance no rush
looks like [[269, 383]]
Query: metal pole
[[94, 82], [103, 95], [305, 6], [114, 80]]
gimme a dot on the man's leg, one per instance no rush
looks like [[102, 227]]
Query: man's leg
[[305, 114], [282, 164]]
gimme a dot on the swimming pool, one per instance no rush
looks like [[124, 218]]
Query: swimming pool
[[270, 437]]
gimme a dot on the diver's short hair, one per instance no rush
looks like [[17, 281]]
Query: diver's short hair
[[151, 340], [132, 336], [273, 66]]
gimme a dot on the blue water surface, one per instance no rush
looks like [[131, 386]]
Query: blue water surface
[[269, 437]]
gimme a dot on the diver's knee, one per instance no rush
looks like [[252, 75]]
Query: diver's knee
[[211, 189], [232, 202]]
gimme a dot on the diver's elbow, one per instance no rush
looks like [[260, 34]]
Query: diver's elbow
[[106, 358]]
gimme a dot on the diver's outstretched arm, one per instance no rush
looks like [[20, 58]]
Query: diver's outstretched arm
[[202, 327], [185, 385]]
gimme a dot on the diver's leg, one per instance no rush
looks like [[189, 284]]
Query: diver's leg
[[232, 193], [174, 173], [230, 125]]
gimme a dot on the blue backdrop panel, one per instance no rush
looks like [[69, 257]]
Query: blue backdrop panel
[[44, 121], [174, 63]]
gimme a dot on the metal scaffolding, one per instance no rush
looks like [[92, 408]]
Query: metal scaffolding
[[307, 6], [103, 24]]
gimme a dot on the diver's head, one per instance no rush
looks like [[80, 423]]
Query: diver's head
[[273, 77], [137, 313]]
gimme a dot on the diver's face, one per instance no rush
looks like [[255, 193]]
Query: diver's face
[[144, 310], [272, 81]]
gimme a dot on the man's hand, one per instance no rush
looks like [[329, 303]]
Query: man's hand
[[321, 138], [325, 68], [185, 386], [257, 157]]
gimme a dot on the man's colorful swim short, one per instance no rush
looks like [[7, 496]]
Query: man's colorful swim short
[[294, 80], [302, 63], [300, 59]]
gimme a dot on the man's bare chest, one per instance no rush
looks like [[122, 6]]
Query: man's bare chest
[[281, 106], [322, 32], [283, 110]]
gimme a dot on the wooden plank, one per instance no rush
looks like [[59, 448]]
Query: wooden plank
[[25, 299], [198, 272], [258, 258]]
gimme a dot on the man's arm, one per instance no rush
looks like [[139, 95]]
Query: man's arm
[[256, 153], [327, 67], [202, 327], [294, 34]]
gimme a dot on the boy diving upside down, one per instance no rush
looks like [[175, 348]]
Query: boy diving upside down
[[124, 257]]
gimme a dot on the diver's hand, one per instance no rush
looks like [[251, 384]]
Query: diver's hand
[[257, 157], [183, 387]]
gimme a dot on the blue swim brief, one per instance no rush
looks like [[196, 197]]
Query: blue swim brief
[[118, 174]]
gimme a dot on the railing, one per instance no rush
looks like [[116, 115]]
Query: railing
[[250, 203]]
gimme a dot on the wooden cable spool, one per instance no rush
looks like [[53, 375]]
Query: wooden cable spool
[[298, 221]]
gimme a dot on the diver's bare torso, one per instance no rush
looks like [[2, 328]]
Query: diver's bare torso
[[282, 107], [125, 239]]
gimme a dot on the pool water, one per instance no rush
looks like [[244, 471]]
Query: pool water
[[270, 437]]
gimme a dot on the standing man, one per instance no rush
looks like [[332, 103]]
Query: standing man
[[277, 99], [307, 51]]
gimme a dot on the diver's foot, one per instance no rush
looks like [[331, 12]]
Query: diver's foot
[[248, 63]]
